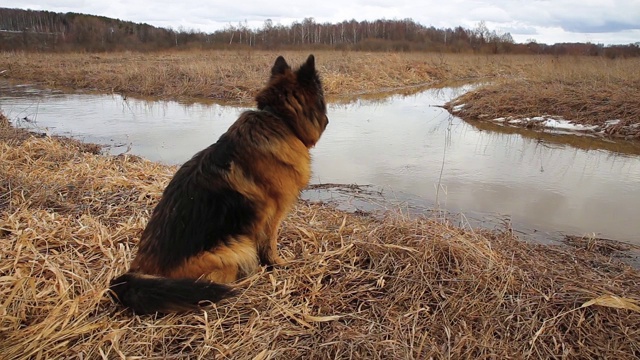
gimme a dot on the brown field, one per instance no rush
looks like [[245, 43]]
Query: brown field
[[357, 286], [236, 76], [584, 90]]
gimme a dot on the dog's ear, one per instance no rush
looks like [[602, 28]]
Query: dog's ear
[[307, 72], [280, 66]]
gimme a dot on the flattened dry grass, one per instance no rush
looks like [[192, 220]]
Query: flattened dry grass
[[356, 286], [584, 90], [236, 76]]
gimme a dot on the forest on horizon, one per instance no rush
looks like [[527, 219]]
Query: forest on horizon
[[45, 31]]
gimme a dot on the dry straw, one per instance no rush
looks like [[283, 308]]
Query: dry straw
[[237, 75], [584, 90], [356, 286]]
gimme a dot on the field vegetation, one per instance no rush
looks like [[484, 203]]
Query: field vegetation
[[357, 286], [584, 90], [237, 75]]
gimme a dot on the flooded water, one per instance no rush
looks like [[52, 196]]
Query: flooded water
[[407, 148]]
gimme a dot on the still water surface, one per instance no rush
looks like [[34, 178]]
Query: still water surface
[[405, 145]]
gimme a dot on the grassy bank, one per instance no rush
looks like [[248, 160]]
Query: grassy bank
[[236, 76], [357, 287], [589, 91]]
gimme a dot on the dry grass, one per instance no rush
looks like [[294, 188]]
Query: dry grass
[[585, 90], [357, 287], [236, 76]]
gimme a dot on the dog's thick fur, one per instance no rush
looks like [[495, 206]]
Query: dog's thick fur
[[218, 218]]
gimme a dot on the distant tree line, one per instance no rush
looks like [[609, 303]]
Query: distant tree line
[[48, 31], [378, 35]]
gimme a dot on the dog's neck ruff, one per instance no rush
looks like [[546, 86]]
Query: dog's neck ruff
[[285, 120]]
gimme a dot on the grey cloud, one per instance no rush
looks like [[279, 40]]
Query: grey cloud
[[605, 27]]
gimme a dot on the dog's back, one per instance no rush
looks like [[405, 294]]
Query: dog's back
[[219, 216]]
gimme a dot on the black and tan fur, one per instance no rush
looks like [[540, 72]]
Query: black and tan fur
[[218, 218]]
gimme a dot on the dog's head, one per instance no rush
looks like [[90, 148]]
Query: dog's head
[[297, 97]]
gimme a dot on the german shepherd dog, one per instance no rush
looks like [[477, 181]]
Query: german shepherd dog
[[219, 216]]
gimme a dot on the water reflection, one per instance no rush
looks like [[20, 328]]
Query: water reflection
[[586, 142], [405, 145]]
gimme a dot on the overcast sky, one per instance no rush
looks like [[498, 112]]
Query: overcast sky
[[546, 21]]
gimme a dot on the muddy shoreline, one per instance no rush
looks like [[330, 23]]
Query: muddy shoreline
[[611, 129]]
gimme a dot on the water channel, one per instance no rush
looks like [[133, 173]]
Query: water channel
[[403, 150]]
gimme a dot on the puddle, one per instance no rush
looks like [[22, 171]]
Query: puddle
[[405, 148]]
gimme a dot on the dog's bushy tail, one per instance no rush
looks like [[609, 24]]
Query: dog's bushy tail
[[146, 294]]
